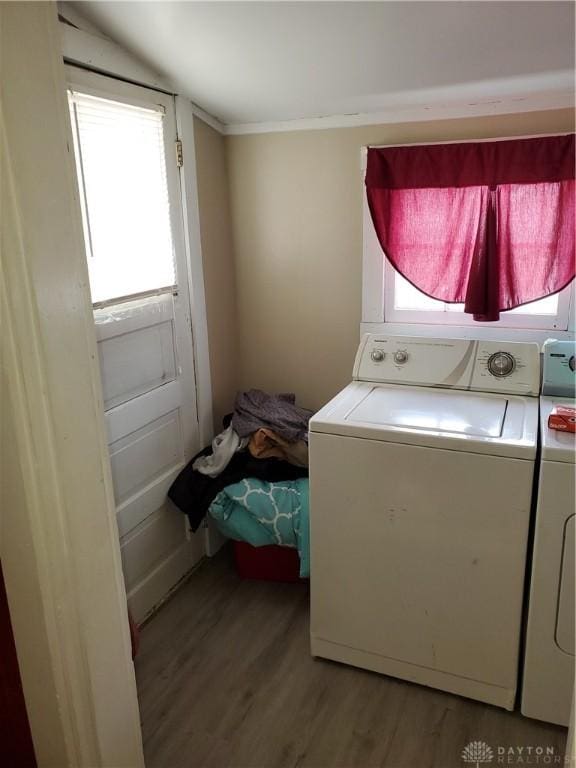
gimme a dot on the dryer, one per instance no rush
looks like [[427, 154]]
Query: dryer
[[421, 474], [548, 677]]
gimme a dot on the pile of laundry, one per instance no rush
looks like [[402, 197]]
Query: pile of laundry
[[253, 479]]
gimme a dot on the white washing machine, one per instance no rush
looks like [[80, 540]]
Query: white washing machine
[[548, 678], [421, 474]]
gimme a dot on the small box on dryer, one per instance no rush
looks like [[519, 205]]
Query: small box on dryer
[[562, 418]]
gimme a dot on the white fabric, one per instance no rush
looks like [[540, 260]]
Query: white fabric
[[224, 446]]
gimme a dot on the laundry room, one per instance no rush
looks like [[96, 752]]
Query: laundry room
[[288, 384]]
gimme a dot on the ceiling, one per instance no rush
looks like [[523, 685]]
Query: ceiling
[[263, 62]]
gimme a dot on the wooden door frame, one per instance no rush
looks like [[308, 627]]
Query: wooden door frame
[[58, 536]]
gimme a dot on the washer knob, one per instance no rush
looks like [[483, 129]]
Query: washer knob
[[572, 363], [400, 356], [377, 355], [501, 364]]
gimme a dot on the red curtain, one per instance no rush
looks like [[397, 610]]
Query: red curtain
[[487, 224]]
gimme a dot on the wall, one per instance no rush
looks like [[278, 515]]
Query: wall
[[218, 264], [296, 202]]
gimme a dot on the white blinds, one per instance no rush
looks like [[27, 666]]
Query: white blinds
[[126, 210]]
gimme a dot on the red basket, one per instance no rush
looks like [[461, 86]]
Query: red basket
[[268, 563]]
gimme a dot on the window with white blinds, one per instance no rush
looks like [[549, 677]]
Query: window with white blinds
[[123, 188]]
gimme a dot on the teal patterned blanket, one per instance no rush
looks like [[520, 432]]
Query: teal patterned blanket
[[264, 513]]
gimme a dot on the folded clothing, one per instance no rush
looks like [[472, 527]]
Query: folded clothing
[[255, 409], [192, 492], [263, 513]]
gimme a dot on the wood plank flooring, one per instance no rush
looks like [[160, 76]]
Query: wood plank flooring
[[226, 680]]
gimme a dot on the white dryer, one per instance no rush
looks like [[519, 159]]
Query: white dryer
[[548, 678], [421, 474]]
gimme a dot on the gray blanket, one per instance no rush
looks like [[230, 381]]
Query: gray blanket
[[255, 409]]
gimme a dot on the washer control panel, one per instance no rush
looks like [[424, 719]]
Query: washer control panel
[[489, 366], [507, 367]]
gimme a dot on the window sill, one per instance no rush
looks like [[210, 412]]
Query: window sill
[[465, 332]]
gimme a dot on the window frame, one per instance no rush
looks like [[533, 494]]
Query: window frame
[[380, 315]]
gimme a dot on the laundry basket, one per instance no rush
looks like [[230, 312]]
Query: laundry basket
[[270, 563]]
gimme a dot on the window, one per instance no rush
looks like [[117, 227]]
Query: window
[[387, 298], [487, 223], [405, 303], [124, 195]]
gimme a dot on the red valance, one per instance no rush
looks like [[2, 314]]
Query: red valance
[[487, 224]]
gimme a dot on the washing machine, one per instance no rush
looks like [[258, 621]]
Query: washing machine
[[548, 677], [421, 475]]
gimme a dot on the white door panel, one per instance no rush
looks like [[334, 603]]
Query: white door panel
[[142, 457], [144, 341], [147, 546], [140, 506], [128, 417], [154, 587], [136, 362]]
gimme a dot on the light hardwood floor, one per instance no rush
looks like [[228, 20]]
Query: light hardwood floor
[[226, 680]]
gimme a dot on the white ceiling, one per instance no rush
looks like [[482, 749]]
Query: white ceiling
[[261, 62]]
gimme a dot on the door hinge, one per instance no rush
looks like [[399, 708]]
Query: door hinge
[[179, 154]]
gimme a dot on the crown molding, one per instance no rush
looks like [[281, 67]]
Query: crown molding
[[541, 102], [499, 96]]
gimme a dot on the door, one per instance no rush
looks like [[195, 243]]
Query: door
[[125, 141]]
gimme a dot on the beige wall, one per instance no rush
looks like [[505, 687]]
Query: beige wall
[[218, 264], [296, 202]]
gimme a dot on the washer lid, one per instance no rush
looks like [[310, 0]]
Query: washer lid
[[440, 411], [479, 422]]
